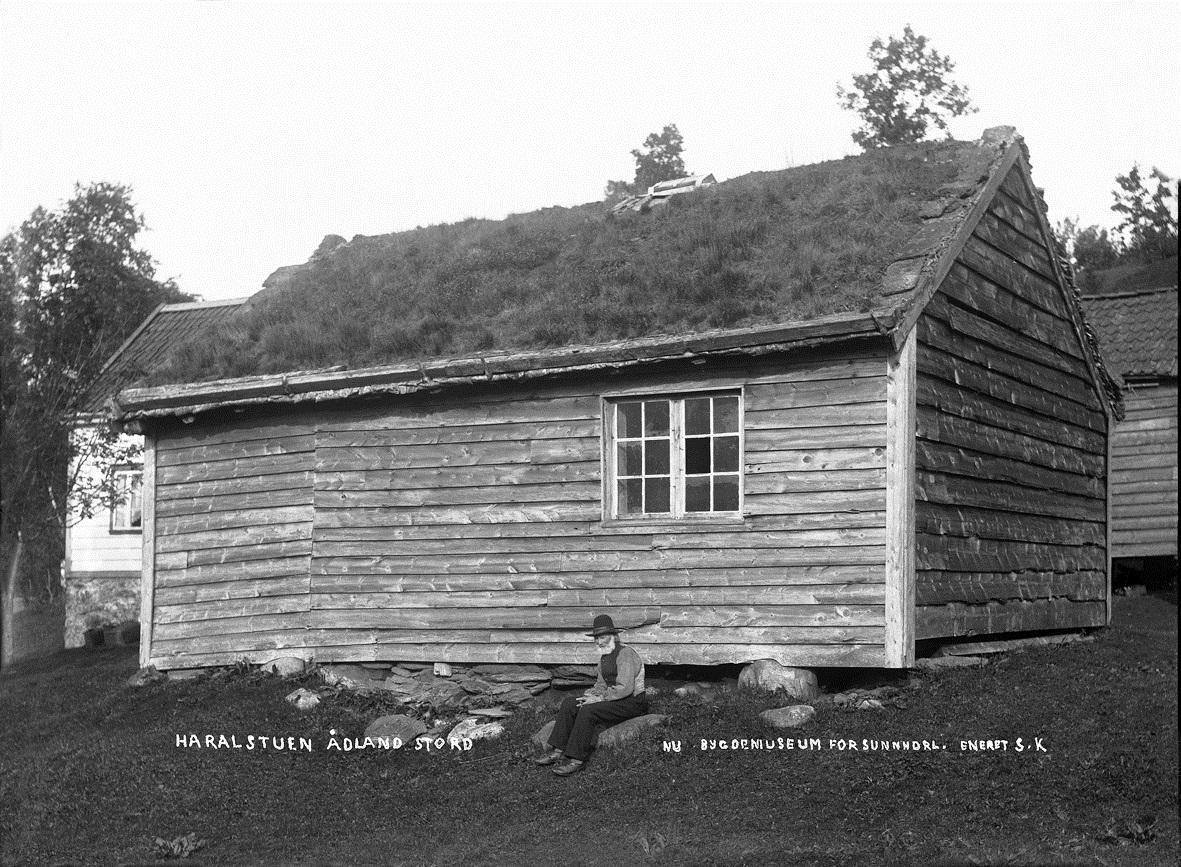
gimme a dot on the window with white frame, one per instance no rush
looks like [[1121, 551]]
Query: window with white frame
[[674, 457], [127, 500]]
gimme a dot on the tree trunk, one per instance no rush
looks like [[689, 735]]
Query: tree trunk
[[8, 602]]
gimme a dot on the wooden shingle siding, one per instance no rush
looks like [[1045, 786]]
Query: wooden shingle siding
[[469, 527], [233, 534], [1144, 473], [1011, 450]]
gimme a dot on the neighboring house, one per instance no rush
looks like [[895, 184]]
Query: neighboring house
[[1134, 310], [929, 462], [104, 552]]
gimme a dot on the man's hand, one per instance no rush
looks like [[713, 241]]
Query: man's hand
[[588, 699]]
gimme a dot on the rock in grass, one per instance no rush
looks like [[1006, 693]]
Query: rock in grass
[[628, 730], [396, 725], [186, 673], [144, 676], [788, 717], [285, 666], [476, 730], [442, 669], [304, 699], [541, 736], [769, 675], [348, 676]]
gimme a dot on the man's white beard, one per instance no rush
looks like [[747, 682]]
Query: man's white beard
[[603, 651]]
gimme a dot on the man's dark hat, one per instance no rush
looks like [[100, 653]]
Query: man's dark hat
[[603, 625]]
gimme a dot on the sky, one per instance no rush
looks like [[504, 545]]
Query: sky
[[248, 131]]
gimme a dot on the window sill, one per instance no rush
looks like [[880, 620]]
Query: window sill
[[734, 520]]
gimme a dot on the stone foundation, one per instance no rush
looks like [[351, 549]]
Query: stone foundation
[[101, 600]]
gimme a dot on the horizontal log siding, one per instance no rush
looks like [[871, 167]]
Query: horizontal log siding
[[470, 528], [1011, 446], [233, 538], [1144, 473]]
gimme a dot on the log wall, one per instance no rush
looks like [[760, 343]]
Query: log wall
[[468, 527], [1144, 473], [1011, 449]]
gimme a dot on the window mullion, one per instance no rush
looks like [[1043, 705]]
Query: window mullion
[[677, 467]]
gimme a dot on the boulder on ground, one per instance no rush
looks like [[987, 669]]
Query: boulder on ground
[[788, 717], [510, 693], [442, 669], [285, 666], [144, 676], [349, 676], [628, 730], [186, 673], [512, 673], [769, 675], [304, 699], [696, 688], [541, 736], [396, 725], [493, 712], [475, 729]]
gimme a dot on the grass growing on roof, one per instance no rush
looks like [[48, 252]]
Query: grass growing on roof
[[762, 248]]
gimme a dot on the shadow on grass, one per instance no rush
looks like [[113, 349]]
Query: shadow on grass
[[91, 773]]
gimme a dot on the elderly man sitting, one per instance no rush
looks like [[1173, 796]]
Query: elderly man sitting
[[618, 695]]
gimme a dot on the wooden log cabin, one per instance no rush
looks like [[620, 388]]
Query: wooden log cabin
[[1134, 311], [927, 460]]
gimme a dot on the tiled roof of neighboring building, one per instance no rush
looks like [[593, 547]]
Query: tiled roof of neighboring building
[[165, 327], [1137, 325]]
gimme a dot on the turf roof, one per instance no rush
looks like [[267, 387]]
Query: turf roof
[[763, 248]]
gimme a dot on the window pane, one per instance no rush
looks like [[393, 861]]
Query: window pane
[[725, 493], [697, 494], [656, 457], [725, 415], [726, 454], [656, 418], [697, 415], [697, 455], [630, 493], [628, 420], [656, 495], [630, 455]]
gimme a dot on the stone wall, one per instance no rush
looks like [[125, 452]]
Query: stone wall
[[98, 601]]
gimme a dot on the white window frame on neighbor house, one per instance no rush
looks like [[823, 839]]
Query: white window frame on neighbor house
[[684, 436], [123, 508]]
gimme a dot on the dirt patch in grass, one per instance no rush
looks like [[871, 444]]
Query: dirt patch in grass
[[91, 773]]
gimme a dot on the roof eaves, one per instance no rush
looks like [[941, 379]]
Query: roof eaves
[[333, 384]]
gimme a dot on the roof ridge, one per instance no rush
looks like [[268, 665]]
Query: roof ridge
[[197, 305]]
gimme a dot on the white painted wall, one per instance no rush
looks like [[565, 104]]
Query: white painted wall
[[90, 544]]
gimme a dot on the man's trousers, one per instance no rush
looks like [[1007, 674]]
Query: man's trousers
[[577, 728]]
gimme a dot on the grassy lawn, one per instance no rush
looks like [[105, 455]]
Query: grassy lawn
[[90, 773]]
